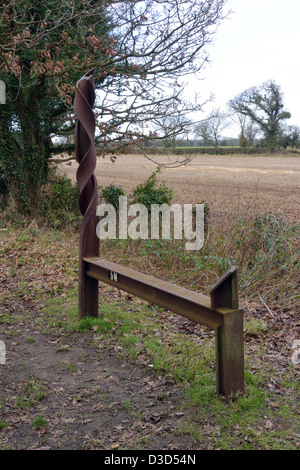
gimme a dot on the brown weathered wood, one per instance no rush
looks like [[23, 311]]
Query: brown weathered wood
[[177, 299], [230, 354], [225, 292], [229, 335]]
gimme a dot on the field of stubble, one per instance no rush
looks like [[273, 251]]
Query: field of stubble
[[233, 186]]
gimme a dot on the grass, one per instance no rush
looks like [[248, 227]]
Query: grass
[[43, 263], [39, 422], [31, 393]]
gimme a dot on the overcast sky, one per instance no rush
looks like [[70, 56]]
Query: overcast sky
[[259, 41]]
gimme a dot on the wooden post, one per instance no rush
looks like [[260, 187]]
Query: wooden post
[[88, 185], [229, 336]]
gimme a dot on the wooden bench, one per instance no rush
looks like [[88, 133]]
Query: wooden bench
[[219, 312]]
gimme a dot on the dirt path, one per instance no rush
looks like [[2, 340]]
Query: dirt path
[[88, 398], [232, 186]]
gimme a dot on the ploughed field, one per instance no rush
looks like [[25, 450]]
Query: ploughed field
[[233, 186]]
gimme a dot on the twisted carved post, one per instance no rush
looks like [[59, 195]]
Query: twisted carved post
[[88, 186]]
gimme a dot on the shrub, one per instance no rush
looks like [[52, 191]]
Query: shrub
[[59, 202], [267, 253], [204, 151], [150, 193], [111, 195]]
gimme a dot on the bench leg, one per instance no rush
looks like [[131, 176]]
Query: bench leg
[[230, 355], [87, 294]]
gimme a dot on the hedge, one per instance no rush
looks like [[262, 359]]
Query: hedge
[[202, 151]]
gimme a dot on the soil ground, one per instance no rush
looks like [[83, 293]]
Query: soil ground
[[92, 399]]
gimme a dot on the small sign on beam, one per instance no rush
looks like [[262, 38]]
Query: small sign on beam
[[2, 92]]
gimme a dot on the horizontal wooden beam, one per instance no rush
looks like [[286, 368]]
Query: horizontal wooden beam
[[192, 305]]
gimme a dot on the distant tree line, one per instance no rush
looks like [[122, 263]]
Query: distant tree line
[[259, 114]]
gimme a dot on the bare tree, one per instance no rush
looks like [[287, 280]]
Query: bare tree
[[159, 43], [210, 130], [248, 129]]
